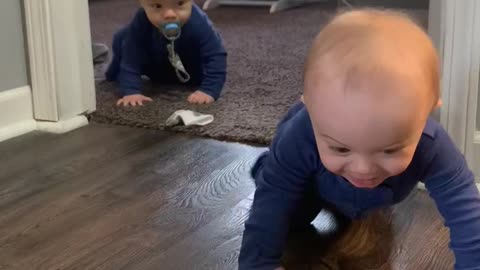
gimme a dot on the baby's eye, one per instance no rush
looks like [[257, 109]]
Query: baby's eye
[[391, 151], [181, 3], [157, 6], [341, 150]]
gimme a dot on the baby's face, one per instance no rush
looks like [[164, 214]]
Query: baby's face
[[368, 135], [160, 12]]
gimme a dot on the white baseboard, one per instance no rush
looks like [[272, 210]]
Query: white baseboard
[[16, 112], [24, 127], [17, 129], [15, 105], [62, 126], [16, 116]]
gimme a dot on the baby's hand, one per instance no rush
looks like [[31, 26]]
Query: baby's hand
[[199, 97], [133, 100]]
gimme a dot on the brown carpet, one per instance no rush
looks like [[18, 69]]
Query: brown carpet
[[266, 54]]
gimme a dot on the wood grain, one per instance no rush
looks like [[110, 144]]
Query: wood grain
[[108, 197]]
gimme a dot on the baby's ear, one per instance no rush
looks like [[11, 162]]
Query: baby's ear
[[439, 103]]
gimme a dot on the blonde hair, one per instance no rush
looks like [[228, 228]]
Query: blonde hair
[[357, 44]]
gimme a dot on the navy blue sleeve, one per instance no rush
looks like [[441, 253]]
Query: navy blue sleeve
[[280, 187], [212, 52], [452, 186], [133, 54]]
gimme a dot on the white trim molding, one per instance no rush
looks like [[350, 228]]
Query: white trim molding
[[472, 148], [16, 111], [457, 34], [459, 48], [17, 116], [61, 65], [62, 126]]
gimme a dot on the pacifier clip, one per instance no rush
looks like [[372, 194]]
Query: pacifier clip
[[172, 31]]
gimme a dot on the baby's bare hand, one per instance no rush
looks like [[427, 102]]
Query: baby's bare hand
[[133, 100], [199, 97]]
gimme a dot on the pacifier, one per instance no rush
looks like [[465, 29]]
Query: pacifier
[[171, 31]]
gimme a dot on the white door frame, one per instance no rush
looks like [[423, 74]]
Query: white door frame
[[61, 65], [455, 27]]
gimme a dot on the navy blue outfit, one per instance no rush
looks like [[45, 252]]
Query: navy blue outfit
[[141, 49], [292, 168]]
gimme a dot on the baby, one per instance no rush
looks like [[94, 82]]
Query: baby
[[361, 139], [168, 41]]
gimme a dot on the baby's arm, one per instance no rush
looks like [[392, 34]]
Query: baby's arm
[[213, 56], [451, 184], [280, 187], [133, 57]]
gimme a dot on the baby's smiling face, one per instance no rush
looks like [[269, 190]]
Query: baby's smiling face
[[369, 100], [368, 137]]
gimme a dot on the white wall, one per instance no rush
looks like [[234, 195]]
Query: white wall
[[13, 60]]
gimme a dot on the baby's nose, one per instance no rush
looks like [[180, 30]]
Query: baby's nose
[[169, 15], [362, 167]]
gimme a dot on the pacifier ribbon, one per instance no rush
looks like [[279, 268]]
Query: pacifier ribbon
[[172, 31]]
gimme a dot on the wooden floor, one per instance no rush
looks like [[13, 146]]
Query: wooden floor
[[106, 197]]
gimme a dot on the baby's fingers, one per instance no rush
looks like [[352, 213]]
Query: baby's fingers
[[144, 100], [119, 102], [135, 102]]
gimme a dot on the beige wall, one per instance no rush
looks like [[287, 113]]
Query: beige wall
[[478, 113], [13, 60]]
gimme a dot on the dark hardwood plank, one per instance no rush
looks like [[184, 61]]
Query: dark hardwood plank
[[107, 197], [221, 235], [113, 188], [67, 156], [32, 195], [176, 220], [409, 235], [419, 233]]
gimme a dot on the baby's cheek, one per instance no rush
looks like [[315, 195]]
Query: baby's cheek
[[397, 166], [333, 164], [184, 15]]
